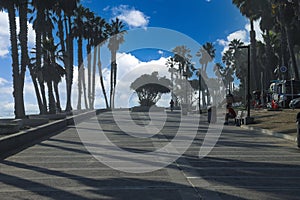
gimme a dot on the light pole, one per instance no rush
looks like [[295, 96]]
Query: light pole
[[248, 118]]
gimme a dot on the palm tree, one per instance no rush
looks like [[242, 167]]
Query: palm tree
[[53, 72], [182, 55], [228, 60], [18, 78], [100, 38], [63, 10], [171, 65], [78, 32], [207, 53], [287, 19], [183, 58], [249, 9], [68, 7], [116, 32], [23, 38], [43, 27]]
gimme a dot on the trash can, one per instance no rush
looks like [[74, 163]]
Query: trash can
[[298, 129], [184, 109], [212, 114]]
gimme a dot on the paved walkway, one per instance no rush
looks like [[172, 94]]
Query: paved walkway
[[243, 165], [61, 168]]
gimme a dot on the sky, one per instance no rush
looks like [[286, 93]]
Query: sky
[[154, 28]]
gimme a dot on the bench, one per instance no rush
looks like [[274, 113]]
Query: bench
[[240, 117]]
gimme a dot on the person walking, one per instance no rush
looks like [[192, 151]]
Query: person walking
[[172, 105]]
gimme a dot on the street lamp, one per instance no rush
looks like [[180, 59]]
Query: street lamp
[[248, 118]]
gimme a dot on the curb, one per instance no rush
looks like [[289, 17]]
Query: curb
[[272, 133], [21, 139]]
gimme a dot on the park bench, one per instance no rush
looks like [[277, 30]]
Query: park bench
[[240, 117]]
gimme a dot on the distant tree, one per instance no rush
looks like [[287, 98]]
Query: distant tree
[[149, 88], [18, 74], [116, 32]]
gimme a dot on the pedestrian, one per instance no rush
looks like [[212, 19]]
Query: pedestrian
[[172, 105], [230, 114]]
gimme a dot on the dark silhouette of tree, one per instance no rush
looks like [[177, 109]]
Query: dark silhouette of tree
[[65, 10], [116, 32], [78, 32], [18, 74], [149, 88]]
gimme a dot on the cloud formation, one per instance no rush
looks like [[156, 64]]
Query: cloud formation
[[4, 34], [243, 35], [134, 18], [129, 68]]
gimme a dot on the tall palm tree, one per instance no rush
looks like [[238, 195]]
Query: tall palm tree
[[116, 32], [53, 73], [23, 38], [18, 78], [207, 53], [287, 19], [100, 38], [89, 36], [171, 65], [183, 58], [249, 9], [78, 32], [182, 55], [43, 27], [68, 7], [228, 60]]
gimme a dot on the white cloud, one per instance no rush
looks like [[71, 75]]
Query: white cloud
[[134, 18], [3, 81], [243, 35], [4, 34], [258, 31], [240, 35], [129, 68]]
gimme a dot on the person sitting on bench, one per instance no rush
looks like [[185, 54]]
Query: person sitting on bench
[[230, 114]]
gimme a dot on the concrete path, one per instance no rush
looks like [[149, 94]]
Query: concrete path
[[243, 165]]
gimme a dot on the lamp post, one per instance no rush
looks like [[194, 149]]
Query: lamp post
[[248, 118]]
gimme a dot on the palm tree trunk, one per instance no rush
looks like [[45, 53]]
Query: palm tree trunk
[[113, 77], [268, 49], [52, 109], [38, 44], [58, 106], [36, 89], [89, 66], [84, 88], [101, 77], [292, 53], [65, 58], [17, 93], [284, 52], [80, 66], [253, 56], [94, 77], [23, 41], [69, 64]]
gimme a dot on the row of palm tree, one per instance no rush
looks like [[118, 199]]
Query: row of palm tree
[[181, 65], [57, 23], [279, 21]]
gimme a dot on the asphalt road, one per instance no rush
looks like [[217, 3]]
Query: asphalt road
[[79, 165]]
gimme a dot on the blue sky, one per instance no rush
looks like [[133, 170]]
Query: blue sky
[[196, 21]]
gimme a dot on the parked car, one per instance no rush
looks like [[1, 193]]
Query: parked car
[[295, 103]]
